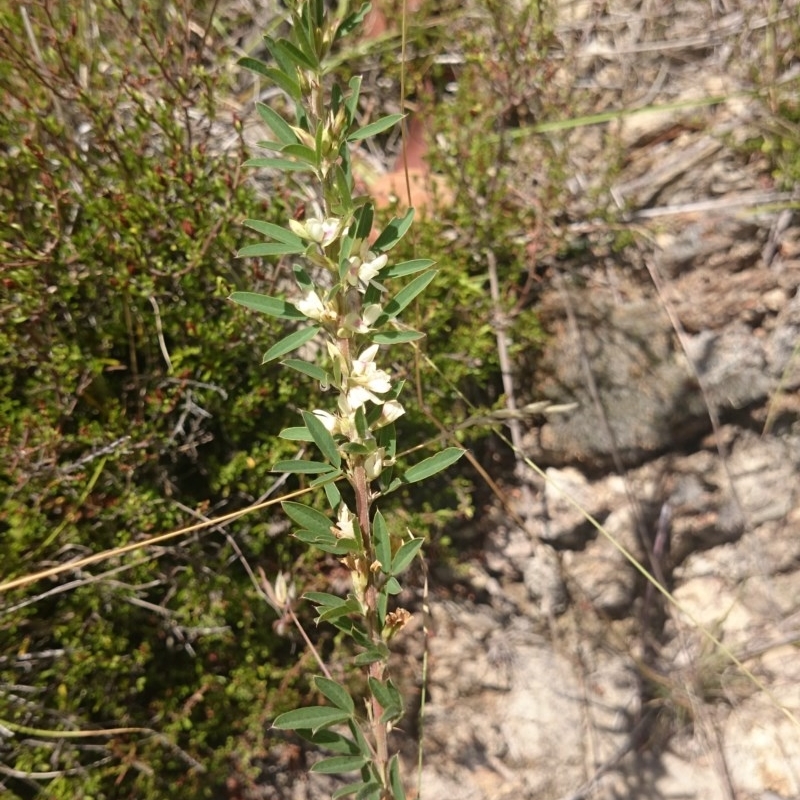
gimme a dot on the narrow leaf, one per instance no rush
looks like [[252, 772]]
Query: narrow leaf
[[405, 268], [398, 792], [269, 249], [307, 517], [301, 152], [430, 466], [393, 232], [284, 81], [408, 293], [331, 740], [334, 496], [386, 694], [336, 693], [298, 434], [397, 337], [405, 555], [338, 764], [352, 21], [326, 477], [312, 370], [332, 614], [324, 599], [266, 305], [383, 545], [254, 65], [346, 791], [355, 88], [284, 62], [379, 126], [277, 163], [275, 232], [312, 718], [371, 656], [301, 467], [322, 438], [277, 124], [370, 791], [303, 280], [291, 342], [325, 541], [303, 59]]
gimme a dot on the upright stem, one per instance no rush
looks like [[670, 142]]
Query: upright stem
[[377, 668]]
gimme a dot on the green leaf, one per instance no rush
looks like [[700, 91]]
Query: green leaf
[[405, 268], [277, 163], [332, 614], [254, 65], [326, 477], [302, 278], [291, 342], [405, 555], [397, 337], [371, 790], [334, 496], [339, 764], [307, 517], [370, 656], [324, 599], [267, 145], [266, 305], [284, 63], [275, 232], [269, 249], [387, 695], [351, 104], [277, 124], [312, 370], [312, 718], [305, 58], [379, 126], [430, 466], [393, 232], [352, 21], [398, 792], [322, 438], [407, 294], [297, 434], [301, 152], [346, 791], [331, 740], [344, 188], [302, 467], [326, 542], [280, 78], [392, 586], [336, 693], [383, 545]]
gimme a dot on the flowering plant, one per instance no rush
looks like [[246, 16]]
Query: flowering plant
[[343, 300]]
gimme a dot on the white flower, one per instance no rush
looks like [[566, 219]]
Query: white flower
[[373, 464], [321, 231], [330, 421], [344, 524], [366, 379], [364, 267], [355, 323], [311, 306], [391, 411]]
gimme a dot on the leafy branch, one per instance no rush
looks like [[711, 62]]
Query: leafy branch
[[342, 302]]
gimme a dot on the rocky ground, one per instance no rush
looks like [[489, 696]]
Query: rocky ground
[[557, 670]]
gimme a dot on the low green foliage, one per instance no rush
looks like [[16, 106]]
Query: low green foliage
[[131, 395]]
